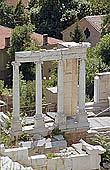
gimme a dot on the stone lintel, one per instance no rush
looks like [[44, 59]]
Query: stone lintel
[[49, 55]]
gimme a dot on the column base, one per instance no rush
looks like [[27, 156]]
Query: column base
[[16, 128], [79, 121], [82, 120], [39, 128], [60, 120]]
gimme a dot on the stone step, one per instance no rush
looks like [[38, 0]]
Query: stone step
[[93, 109]]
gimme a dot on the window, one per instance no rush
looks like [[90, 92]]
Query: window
[[87, 33]]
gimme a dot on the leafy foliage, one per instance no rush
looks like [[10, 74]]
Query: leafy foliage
[[100, 7], [103, 49], [7, 15], [52, 155], [6, 139], [56, 131], [1, 85], [104, 141], [53, 16], [25, 137], [21, 14], [33, 3], [94, 64], [27, 93], [20, 39], [106, 25], [13, 16]]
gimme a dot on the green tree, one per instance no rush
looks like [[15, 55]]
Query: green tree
[[98, 60], [94, 64], [33, 3], [103, 49], [47, 17], [21, 14], [106, 25], [77, 35], [21, 41], [53, 16], [7, 15], [100, 7], [27, 95]]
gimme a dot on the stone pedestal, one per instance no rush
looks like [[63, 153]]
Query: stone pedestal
[[60, 120], [39, 128], [16, 127]]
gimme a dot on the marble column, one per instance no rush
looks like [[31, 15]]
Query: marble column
[[60, 107], [82, 87], [16, 127], [96, 89], [38, 90], [82, 115], [60, 119], [39, 126]]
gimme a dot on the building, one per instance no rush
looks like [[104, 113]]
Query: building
[[14, 2], [5, 34], [90, 25]]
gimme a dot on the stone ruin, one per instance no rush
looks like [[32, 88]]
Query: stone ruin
[[70, 120], [68, 117]]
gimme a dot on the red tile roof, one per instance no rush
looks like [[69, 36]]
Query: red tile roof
[[6, 32], [95, 21], [14, 2], [51, 40]]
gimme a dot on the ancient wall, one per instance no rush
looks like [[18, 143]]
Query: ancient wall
[[70, 86], [102, 87]]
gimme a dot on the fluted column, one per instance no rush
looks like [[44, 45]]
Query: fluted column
[[16, 127], [60, 107]]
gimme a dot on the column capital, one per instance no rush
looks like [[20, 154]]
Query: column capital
[[15, 63], [60, 61], [83, 59], [38, 62]]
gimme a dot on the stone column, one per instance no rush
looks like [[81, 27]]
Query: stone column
[[39, 127], [96, 89], [60, 107], [60, 119], [82, 115], [82, 87], [16, 127], [38, 90]]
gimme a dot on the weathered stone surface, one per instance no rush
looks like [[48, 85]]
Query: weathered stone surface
[[58, 137], [26, 144], [7, 163], [2, 149]]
